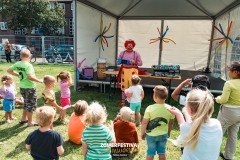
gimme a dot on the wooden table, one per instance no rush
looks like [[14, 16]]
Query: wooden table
[[166, 80]]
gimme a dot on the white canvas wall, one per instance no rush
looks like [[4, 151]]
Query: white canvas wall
[[222, 57], [191, 37], [87, 29]]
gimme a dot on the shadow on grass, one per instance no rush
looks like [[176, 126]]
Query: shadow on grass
[[70, 147], [17, 150], [7, 133]]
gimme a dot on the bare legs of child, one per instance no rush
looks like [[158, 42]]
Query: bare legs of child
[[62, 116], [138, 118], [160, 156], [8, 117]]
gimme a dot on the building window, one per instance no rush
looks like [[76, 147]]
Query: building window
[[60, 31], [3, 26], [62, 5], [19, 32], [71, 26]]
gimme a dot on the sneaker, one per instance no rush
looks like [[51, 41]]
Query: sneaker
[[8, 121], [138, 124], [32, 124], [222, 156], [23, 122]]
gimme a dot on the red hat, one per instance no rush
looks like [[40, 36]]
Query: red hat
[[129, 42]]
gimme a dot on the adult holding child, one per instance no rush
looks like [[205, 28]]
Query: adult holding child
[[129, 60], [25, 71], [229, 112]]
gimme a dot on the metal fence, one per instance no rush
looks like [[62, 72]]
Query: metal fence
[[39, 44]]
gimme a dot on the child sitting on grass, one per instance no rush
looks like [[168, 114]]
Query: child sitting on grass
[[125, 130], [44, 142], [77, 122], [96, 135]]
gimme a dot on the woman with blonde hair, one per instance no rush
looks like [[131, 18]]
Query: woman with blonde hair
[[201, 135]]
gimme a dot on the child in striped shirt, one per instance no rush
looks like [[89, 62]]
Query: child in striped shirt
[[96, 136]]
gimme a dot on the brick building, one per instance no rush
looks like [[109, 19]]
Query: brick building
[[62, 36]]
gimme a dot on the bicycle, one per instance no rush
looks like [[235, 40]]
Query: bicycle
[[33, 58]]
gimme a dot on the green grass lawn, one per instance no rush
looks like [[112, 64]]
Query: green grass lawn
[[13, 135]]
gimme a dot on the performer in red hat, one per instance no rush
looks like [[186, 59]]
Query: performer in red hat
[[129, 60]]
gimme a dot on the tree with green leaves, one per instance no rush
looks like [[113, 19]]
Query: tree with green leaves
[[30, 14]]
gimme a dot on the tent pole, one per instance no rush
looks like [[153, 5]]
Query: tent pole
[[75, 43], [117, 32], [160, 44], [207, 70]]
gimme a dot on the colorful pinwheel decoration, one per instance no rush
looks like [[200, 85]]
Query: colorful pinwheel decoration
[[161, 38], [102, 38], [225, 37]]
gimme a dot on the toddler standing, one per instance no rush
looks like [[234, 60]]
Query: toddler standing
[[65, 83], [9, 91], [135, 96]]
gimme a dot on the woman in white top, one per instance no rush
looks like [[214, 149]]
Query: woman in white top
[[200, 135]]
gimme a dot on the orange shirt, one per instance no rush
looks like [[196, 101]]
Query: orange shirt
[[125, 132], [75, 128]]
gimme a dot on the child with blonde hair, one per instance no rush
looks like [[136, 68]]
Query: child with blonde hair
[[157, 124], [44, 142], [48, 93], [135, 95], [65, 82], [8, 91], [229, 113], [76, 123], [125, 130], [201, 135], [26, 74], [96, 135]]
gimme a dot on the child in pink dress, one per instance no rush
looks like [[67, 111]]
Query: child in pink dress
[[65, 83]]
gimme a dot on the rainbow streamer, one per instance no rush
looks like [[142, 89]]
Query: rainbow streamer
[[102, 38], [225, 37], [161, 37]]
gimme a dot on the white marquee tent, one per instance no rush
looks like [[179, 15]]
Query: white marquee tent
[[190, 25]]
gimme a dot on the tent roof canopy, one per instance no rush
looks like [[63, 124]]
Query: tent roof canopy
[[163, 9]]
